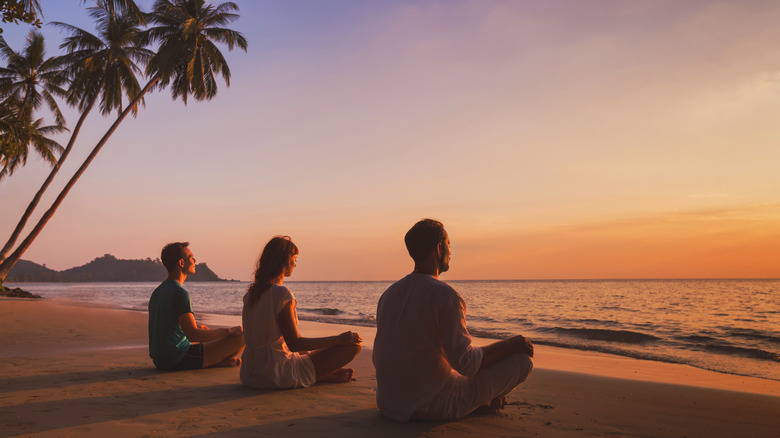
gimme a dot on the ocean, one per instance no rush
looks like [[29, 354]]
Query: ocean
[[729, 326]]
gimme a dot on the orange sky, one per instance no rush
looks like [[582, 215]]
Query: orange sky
[[715, 243], [566, 139]]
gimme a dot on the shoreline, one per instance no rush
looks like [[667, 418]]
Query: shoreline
[[723, 337], [553, 357], [573, 360], [75, 370]]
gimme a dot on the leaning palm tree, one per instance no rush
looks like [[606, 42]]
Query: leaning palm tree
[[101, 68], [104, 67], [187, 58]]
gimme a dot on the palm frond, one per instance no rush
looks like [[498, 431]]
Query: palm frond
[[188, 59], [29, 81]]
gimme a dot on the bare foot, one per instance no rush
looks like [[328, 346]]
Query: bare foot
[[498, 403], [495, 406], [341, 375], [228, 363]]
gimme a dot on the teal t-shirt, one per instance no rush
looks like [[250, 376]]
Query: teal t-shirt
[[167, 342]]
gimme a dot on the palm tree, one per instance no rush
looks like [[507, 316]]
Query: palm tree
[[20, 133], [187, 58], [26, 11], [26, 83], [100, 67], [122, 7], [30, 77]]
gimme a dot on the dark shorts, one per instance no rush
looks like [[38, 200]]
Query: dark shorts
[[193, 360]]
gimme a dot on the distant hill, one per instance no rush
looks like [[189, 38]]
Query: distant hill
[[27, 269], [103, 269]]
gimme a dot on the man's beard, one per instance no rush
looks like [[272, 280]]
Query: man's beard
[[443, 266]]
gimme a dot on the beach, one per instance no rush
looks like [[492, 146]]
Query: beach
[[68, 370]]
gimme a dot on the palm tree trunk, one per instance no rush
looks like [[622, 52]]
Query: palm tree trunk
[[8, 263], [37, 198]]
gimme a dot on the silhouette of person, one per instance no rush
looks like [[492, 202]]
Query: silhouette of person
[[426, 367]]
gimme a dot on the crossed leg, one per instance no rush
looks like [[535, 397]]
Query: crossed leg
[[223, 352], [489, 387], [328, 362]]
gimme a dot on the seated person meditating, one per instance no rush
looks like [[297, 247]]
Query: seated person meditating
[[276, 355], [176, 342], [426, 367]]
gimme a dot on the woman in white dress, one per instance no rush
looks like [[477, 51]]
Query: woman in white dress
[[276, 355]]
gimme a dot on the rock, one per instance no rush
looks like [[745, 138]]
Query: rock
[[16, 293]]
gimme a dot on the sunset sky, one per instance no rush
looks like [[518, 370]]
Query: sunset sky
[[554, 139]]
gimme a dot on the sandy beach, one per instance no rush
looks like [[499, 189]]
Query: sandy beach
[[67, 370]]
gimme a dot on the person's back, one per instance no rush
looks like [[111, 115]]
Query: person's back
[[176, 341], [259, 319], [426, 367], [277, 356], [267, 361], [167, 342], [418, 329]]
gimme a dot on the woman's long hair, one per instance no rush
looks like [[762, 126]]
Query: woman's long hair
[[276, 256]]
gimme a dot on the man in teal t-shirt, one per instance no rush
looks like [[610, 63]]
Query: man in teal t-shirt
[[167, 342], [176, 342]]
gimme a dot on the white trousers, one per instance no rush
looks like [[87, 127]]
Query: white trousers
[[462, 395]]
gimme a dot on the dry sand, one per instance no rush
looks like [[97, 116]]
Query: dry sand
[[74, 371]]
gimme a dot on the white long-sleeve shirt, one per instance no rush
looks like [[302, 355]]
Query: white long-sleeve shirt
[[421, 338]]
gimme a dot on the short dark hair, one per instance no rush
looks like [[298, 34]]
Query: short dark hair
[[423, 237], [172, 253]]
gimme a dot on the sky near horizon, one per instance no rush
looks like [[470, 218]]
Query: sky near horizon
[[554, 139]]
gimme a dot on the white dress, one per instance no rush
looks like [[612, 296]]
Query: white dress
[[267, 362]]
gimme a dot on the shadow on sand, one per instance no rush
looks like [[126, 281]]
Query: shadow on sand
[[365, 421], [25, 418], [61, 380]]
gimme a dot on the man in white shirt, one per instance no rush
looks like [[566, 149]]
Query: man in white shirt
[[426, 367]]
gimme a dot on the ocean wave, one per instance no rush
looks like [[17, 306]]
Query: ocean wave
[[623, 336], [733, 350], [622, 309], [615, 350], [364, 320], [696, 339], [753, 334], [596, 321], [520, 320], [323, 311], [644, 355], [715, 345], [490, 334], [480, 318]]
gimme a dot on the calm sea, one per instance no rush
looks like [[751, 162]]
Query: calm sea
[[730, 326]]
